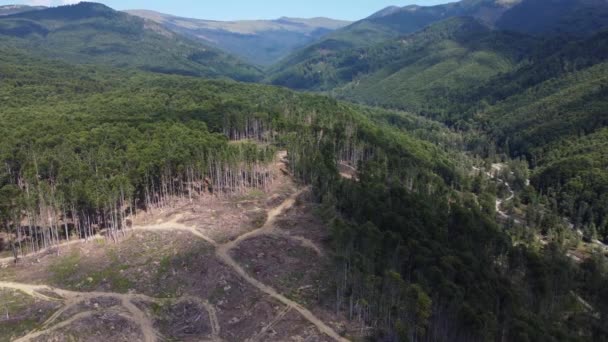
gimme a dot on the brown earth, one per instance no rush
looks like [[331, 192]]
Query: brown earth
[[237, 268]]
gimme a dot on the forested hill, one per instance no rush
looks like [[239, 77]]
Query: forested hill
[[92, 33], [416, 71], [556, 17], [532, 94], [382, 26], [410, 234], [105, 115], [310, 67]]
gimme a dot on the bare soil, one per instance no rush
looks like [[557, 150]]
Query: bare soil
[[250, 267]]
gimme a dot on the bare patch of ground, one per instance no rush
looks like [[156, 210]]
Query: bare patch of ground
[[20, 313], [287, 325], [295, 271], [100, 326], [235, 268]]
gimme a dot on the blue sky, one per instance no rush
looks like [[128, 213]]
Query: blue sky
[[250, 9]]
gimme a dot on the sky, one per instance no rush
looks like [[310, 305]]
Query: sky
[[249, 9]]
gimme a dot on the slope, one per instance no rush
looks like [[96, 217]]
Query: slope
[[560, 125], [305, 68], [95, 34], [428, 70], [415, 252], [556, 17], [384, 25], [260, 42]]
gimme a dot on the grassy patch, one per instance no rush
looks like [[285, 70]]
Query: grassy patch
[[65, 268], [251, 196], [7, 274]]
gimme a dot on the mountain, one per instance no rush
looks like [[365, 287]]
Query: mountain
[[260, 42], [422, 72], [406, 72], [531, 76], [534, 17], [389, 23], [556, 17], [553, 111], [83, 148], [540, 99], [92, 33], [14, 9]]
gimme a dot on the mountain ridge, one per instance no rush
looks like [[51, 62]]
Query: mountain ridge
[[93, 33], [260, 42], [393, 22], [15, 9]]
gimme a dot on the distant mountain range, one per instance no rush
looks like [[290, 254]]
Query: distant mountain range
[[260, 42], [91, 33], [14, 9]]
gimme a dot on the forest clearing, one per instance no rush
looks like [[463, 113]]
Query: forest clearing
[[134, 297]]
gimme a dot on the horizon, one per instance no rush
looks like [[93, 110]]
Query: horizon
[[236, 10]]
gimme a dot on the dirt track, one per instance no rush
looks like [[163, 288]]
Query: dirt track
[[71, 299], [222, 251]]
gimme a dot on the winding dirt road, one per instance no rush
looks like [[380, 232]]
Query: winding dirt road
[[134, 314], [138, 316], [71, 299], [223, 253]]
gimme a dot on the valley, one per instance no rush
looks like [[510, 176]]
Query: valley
[[422, 173]]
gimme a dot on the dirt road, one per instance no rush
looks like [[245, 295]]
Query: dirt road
[[139, 317]]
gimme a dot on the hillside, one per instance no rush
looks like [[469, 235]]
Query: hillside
[[423, 72], [556, 17], [532, 93], [259, 42], [143, 200], [533, 97], [559, 126], [228, 239], [301, 69], [384, 25], [92, 33]]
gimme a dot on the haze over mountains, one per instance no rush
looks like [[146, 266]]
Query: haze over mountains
[[260, 42], [427, 173], [14, 9]]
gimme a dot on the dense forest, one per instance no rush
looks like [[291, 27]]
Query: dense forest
[[418, 252], [91, 33], [84, 147], [513, 94]]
